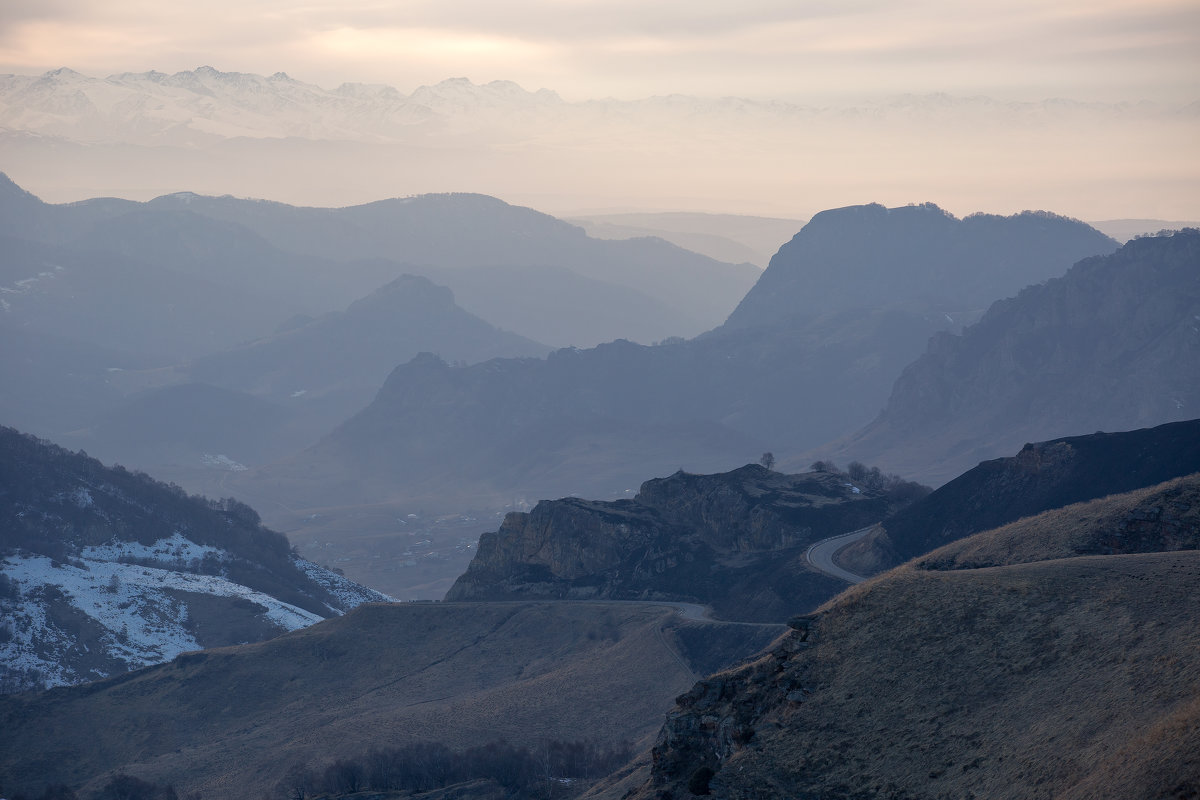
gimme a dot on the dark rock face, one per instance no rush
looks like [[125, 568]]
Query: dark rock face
[[915, 256], [734, 540], [1112, 345], [1043, 476]]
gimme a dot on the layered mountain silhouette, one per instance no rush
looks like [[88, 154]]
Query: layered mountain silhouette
[[264, 717], [444, 232], [1113, 344], [275, 395], [594, 422], [284, 260]]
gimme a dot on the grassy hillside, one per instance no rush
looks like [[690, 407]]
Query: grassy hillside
[[231, 722], [1044, 675], [1155, 519]]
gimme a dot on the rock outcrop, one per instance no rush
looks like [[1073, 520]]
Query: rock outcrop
[[734, 540]]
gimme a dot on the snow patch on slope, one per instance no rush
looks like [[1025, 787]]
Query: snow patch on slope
[[349, 594], [140, 621]]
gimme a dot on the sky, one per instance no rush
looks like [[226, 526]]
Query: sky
[[1131, 153], [797, 50]]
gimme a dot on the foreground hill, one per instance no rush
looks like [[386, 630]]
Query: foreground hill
[[1112, 345], [234, 722], [735, 541], [1043, 476], [1159, 518], [1071, 677], [102, 571]]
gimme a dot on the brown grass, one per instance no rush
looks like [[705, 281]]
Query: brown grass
[[1080, 528], [229, 722], [1023, 682]]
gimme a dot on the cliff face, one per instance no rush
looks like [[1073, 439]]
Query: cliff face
[[1112, 345], [915, 256], [734, 540], [1047, 675]]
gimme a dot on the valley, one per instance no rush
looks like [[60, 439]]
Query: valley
[[417, 493]]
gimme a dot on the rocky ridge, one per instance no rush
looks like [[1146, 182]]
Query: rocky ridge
[[734, 540]]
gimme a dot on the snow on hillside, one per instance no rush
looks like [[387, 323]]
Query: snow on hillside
[[348, 593], [118, 607]]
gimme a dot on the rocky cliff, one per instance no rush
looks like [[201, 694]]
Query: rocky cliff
[[918, 256], [734, 540], [1112, 345]]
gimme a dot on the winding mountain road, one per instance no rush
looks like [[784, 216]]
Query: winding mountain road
[[821, 554]]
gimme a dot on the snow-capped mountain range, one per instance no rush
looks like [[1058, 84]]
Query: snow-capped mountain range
[[205, 105]]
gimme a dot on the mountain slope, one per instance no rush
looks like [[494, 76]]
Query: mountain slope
[[1040, 477], [312, 260], [102, 570], [1113, 344], [71, 293], [470, 230], [235, 721], [138, 134], [914, 255], [1068, 677]]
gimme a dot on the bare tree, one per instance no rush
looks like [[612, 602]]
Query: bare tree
[[768, 460]]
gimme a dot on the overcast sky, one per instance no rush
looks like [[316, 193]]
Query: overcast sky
[[790, 49]]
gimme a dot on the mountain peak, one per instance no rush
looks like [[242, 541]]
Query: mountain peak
[[872, 256]]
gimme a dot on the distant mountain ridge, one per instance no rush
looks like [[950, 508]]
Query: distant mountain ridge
[[144, 134], [299, 259], [917, 255], [594, 422], [205, 104]]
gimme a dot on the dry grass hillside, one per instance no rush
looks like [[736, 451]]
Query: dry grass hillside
[[230, 722], [1062, 677], [1155, 519]]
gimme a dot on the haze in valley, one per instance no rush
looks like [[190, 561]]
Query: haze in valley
[[577, 399]]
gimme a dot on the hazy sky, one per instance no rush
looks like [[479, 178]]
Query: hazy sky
[[792, 49]]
